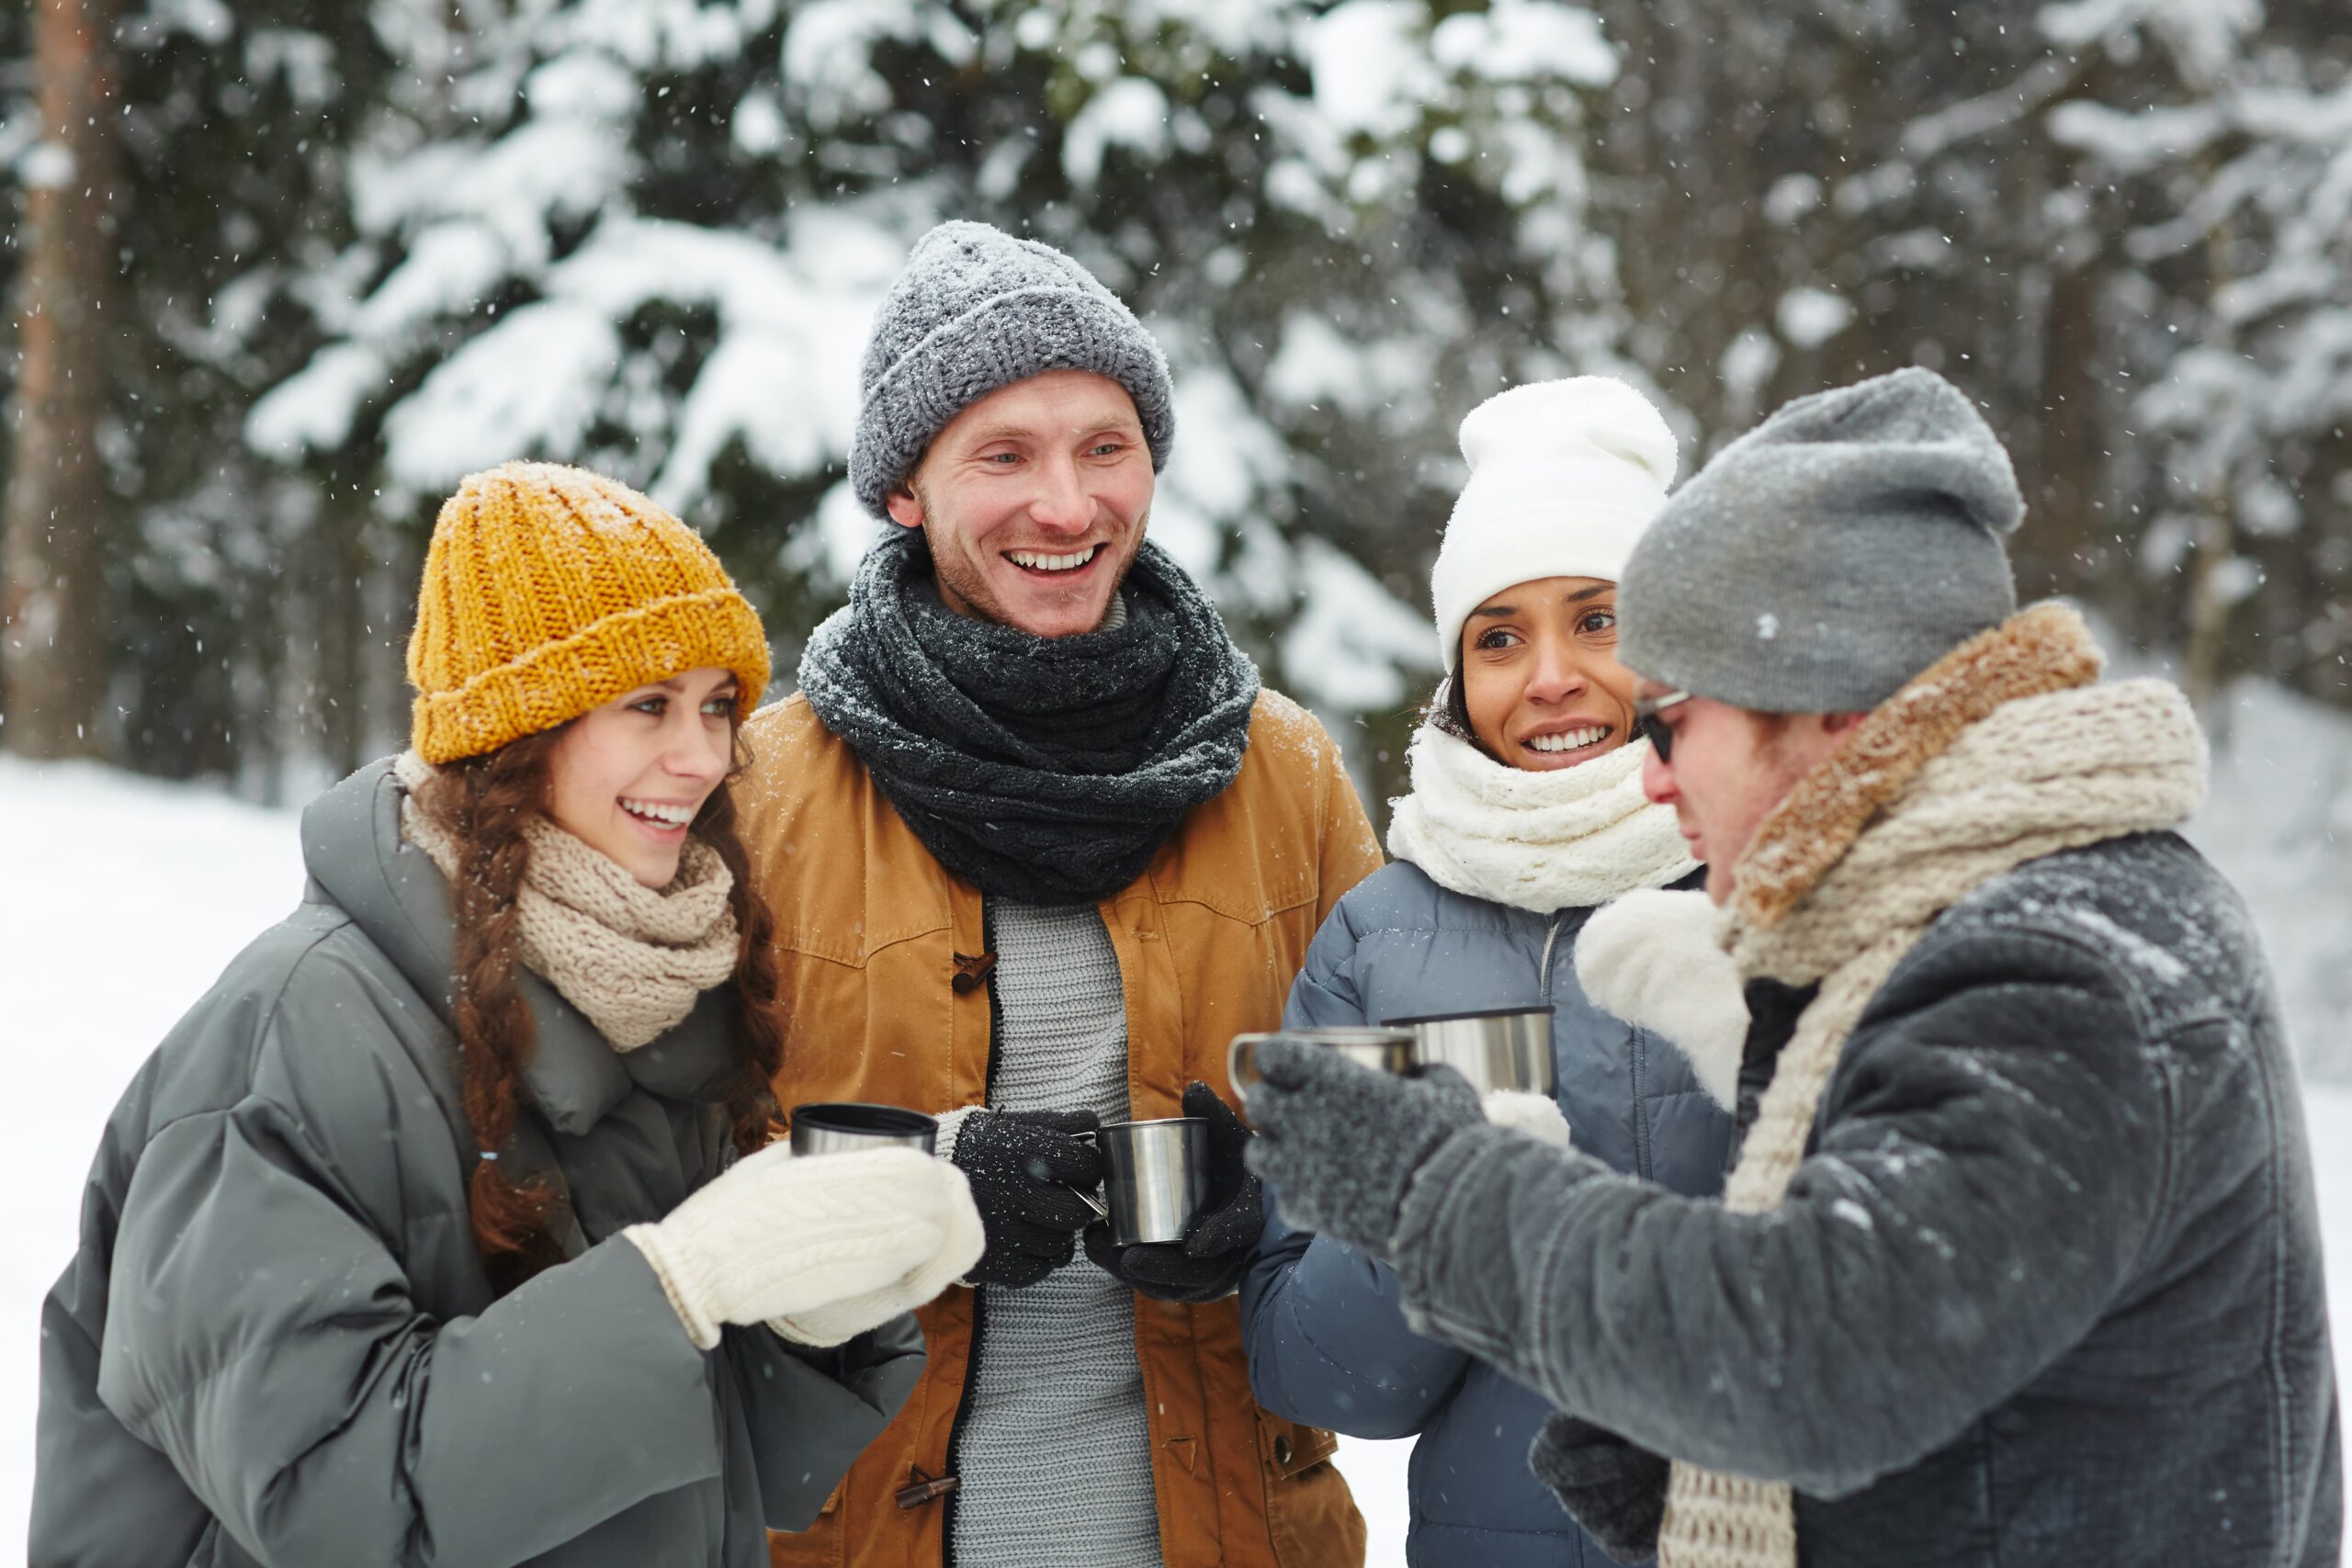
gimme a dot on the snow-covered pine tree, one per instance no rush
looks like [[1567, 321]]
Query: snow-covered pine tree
[[646, 237], [2120, 223], [2225, 174], [364, 252]]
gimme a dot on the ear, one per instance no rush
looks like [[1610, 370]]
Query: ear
[[904, 509]]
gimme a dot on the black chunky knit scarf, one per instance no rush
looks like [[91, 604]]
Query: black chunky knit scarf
[[1047, 770]]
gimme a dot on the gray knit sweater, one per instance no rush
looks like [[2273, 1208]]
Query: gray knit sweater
[[1054, 1451]]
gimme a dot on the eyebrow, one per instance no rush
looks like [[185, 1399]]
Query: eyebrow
[[989, 435], [1497, 612]]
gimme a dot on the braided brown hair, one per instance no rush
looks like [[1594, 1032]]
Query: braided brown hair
[[485, 802]]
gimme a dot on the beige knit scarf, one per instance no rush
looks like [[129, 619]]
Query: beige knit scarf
[[632, 958], [2000, 753]]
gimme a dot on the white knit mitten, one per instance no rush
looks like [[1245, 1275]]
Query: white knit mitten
[[837, 1323], [821, 1249], [1651, 958], [1524, 1111]]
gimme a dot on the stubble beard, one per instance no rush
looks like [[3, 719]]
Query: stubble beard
[[964, 587]]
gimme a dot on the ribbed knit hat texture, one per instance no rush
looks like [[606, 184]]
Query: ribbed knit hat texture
[[1829, 555], [974, 310], [549, 591], [1564, 477]]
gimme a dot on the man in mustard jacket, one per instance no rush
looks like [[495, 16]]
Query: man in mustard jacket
[[1038, 846]]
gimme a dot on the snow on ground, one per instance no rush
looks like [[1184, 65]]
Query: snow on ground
[[124, 898]]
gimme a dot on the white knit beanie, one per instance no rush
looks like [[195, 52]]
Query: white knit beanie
[[1564, 477]]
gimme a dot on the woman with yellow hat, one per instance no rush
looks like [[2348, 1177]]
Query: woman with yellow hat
[[447, 1226]]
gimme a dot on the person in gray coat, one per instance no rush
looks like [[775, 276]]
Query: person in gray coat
[[2018, 1262], [1526, 813], [447, 1228]]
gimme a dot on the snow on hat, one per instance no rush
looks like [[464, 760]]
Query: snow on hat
[[1830, 554], [975, 311], [1564, 477], [549, 590]]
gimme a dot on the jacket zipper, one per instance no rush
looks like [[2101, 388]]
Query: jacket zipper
[[1543, 972], [979, 1294]]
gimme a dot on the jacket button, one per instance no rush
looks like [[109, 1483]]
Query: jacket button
[[1281, 1450]]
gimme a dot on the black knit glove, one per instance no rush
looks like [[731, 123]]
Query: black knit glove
[[1208, 1264], [1339, 1143], [1023, 1166], [1615, 1490]]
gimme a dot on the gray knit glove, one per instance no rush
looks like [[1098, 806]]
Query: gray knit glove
[[1612, 1489], [1338, 1144]]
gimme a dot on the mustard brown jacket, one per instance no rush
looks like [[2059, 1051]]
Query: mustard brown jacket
[[875, 948]]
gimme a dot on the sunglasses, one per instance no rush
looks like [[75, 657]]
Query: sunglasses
[[1647, 725]]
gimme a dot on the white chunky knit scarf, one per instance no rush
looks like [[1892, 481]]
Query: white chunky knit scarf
[[2001, 753], [1543, 841], [632, 958]]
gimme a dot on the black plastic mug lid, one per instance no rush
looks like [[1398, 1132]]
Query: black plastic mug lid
[[1460, 1017], [856, 1116]]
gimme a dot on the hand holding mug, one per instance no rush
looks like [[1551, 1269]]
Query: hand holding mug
[[1029, 1171], [1207, 1263], [821, 1249]]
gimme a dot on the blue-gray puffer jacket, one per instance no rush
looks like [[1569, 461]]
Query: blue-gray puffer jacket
[[1327, 1340], [277, 1344]]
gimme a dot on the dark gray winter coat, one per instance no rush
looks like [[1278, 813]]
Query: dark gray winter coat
[[1326, 1340], [2046, 1291], [276, 1343]]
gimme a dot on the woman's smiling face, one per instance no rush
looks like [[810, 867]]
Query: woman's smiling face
[[1540, 677], [629, 777]]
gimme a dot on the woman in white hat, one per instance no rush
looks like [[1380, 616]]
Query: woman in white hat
[[1526, 814]]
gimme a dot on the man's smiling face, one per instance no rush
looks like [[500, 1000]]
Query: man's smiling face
[[1033, 499]]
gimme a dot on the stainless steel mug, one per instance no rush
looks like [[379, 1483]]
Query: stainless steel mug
[[842, 1126], [1382, 1050], [1506, 1048], [1155, 1177]]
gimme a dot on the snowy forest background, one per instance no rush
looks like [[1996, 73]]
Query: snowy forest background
[[282, 272]]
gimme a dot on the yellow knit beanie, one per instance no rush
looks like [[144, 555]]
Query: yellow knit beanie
[[549, 591]]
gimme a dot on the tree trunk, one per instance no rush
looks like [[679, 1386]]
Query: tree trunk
[[53, 664]]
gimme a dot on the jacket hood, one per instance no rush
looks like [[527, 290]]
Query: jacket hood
[[354, 852]]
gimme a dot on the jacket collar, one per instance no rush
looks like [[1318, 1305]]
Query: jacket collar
[[354, 850]]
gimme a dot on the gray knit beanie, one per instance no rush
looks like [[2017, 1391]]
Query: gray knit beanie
[[1829, 555], [976, 309]]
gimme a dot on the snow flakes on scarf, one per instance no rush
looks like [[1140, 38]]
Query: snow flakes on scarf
[[1048, 770], [1543, 841]]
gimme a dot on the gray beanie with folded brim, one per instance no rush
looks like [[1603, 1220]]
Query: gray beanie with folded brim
[[975, 311], [1829, 555]]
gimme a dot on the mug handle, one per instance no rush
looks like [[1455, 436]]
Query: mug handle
[[1101, 1212]]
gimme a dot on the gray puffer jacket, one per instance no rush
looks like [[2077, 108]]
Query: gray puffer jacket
[[276, 1343], [1326, 1340], [2046, 1291]]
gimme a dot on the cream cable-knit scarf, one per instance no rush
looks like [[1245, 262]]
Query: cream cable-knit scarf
[[633, 959], [2000, 753], [1543, 841]]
